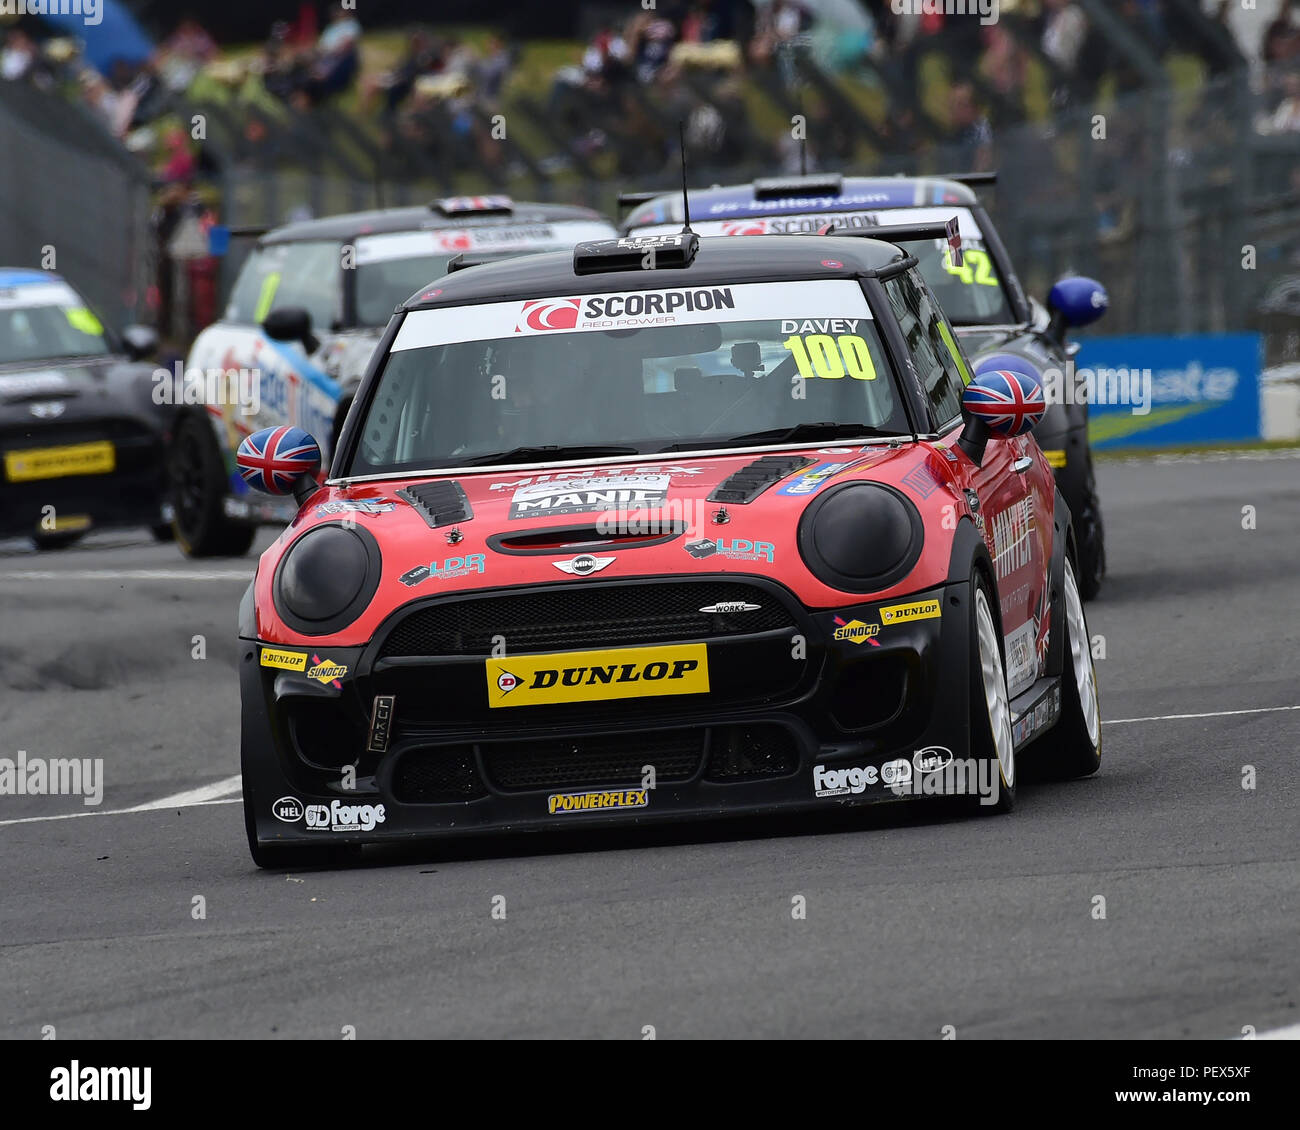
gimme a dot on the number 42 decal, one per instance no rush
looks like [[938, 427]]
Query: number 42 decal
[[820, 355], [976, 267]]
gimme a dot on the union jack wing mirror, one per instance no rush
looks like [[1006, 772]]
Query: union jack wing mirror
[[281, 460], [1004, 399]]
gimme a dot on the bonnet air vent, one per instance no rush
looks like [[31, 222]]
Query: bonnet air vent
[[749, 482], [440, 504]]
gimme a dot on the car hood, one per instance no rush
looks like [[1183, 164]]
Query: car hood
[[712, 515]]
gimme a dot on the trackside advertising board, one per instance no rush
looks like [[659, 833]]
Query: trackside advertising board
[[1170, 391]]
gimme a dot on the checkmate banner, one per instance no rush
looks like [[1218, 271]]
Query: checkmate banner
[[1169, 391]]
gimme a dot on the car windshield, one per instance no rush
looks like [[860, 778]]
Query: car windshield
[[640, 371], [971, 295], [392, 266], [47, 320]]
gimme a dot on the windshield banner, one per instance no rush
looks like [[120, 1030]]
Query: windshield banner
[[677, 306]]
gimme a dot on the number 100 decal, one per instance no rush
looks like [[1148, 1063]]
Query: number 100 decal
[[831, 358]]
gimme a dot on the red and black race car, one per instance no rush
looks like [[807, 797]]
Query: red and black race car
[[660, 529]]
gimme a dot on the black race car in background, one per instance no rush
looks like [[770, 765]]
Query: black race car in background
[[982, 296], [81, 437]]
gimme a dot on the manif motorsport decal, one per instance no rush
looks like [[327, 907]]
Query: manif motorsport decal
[[675, 306], [588, 493], [591, 676]]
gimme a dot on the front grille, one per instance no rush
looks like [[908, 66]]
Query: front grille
[[744, 752], [609, 615], [594, 760], [736, 752], [437, 776]]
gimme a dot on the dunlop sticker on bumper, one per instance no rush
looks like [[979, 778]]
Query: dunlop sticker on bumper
[[590, 676], [286, 660], [96, 458], [917, 610], [591, 802]]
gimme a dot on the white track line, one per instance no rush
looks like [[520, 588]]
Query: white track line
[[216, 793], [127, 575], [1291, 1032], [1211, 714]]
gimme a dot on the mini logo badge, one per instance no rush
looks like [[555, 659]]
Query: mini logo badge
[[583, 565], [725, 606], [288, 809], [47, 409]]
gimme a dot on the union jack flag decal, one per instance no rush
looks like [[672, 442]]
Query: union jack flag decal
[[1008, 402], [275, 459]]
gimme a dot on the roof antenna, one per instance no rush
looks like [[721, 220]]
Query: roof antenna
[[686, 199]]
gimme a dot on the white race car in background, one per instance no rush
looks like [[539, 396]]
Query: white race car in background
[[305, 313]]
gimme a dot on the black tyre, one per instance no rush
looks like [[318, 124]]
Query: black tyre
[[1072, 748], [990, 704], [53, 541], [1090, 537], [196, 484]]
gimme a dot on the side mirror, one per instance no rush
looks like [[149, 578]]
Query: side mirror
[[281, 460], [1000, 402], [1075, 301], [141, 342], [291, 323]]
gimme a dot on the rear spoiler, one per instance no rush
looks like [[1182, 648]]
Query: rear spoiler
[[907, 233], [464, 261], [971, 178], [633, 199]]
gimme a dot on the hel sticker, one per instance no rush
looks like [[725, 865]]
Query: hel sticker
[[285, 660], [589, 676], [830, 358], [917, 610], [592, 802]]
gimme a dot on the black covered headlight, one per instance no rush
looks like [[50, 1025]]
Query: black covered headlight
[[326, 579], [860, 537]]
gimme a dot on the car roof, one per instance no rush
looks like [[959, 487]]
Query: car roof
[[719, 260], [25, 276], [350, 225], [803, 194]]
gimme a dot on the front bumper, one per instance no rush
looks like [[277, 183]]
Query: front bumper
[[859, 688], [85, 497]]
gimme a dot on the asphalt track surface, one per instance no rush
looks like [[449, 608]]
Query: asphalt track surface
[[916, 918]]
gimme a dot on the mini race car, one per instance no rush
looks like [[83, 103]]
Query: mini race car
[[305, 312], [81, 435], [982, 296], [655, 530]]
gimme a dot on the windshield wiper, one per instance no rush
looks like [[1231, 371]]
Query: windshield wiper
[[823, 430], [544, 454]]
